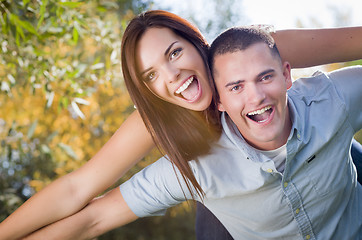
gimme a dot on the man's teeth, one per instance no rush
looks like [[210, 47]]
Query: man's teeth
[[185, 85], [260, 111]]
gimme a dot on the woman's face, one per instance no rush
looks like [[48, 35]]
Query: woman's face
[[173, 69]]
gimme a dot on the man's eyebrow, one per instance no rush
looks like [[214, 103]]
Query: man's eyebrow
[[166, 52], [258, 76], [271, 70], [234, 83]]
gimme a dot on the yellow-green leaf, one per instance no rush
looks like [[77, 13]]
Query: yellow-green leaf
[[70, 4]]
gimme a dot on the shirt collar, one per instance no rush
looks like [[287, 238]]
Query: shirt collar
[[233, 134], [294, 117]]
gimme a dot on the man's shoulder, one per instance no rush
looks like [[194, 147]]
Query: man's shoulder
[[311, 89], [319, 81], [340, 84]]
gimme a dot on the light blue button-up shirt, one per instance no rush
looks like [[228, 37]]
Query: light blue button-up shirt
[[316, 197]]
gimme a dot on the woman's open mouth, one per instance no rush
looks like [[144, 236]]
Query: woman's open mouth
[[190, 90]]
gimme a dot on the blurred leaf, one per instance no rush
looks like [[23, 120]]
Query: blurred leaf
[[81, 101], [42, 12], [51, 136], [3, 23], [32, 129], [69, 151], [75, 35], [97, 66], [64, 101], [25, 2], [24, 24], [45, 149], [77, 110], [50, 98], [70, 4], [11, 78]]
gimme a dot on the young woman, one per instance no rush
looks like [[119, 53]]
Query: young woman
[[175, 121]]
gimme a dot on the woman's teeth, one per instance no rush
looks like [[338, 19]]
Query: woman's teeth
[[185, 85], [260, 111]]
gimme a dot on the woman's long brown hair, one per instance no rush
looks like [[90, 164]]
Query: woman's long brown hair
[[180, 133]]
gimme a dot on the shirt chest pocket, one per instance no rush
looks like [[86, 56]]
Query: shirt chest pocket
[[327, 174], [328, 167]]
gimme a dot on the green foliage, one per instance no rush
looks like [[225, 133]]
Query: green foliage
[[32, 30], [61, 51], [20, 158]]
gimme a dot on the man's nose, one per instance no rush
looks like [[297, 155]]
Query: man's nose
[[255, 94]]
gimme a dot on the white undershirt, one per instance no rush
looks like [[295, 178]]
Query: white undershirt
[[278, 156]]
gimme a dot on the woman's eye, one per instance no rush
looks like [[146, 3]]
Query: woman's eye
[[150, 76], [175, 53]]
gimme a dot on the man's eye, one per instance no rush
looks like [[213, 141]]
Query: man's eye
[[175, 53], [235, 88], [266, 78]]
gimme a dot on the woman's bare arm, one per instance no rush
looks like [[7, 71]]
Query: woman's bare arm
[[311, 47], [99, 216], [71, 193]]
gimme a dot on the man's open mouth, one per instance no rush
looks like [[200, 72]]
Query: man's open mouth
[[261, 115]]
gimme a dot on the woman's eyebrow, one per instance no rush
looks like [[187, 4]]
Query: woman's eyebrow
[[146, 70], [169, 48]]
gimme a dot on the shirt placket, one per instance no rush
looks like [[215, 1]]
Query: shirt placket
[[296, 204], [291, 192]]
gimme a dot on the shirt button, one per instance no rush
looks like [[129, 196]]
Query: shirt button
[[298, 136], [307, 237], [285, 184], [297, 211], [269, 170]]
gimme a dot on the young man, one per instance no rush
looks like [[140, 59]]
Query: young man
[[282, 167], [303, 137]]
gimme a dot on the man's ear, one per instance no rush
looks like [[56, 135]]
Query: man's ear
[[220, 107], [287, 74]]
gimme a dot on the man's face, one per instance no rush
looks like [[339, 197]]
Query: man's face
[[252, 86]]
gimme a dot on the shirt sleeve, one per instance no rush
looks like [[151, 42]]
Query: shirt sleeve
[[348, 84], [154, 189]]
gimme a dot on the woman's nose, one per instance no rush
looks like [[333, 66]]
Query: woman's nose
[[172, 73]]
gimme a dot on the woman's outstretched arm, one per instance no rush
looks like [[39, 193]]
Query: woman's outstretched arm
[[311, 47], [99, 216], [71, 193]]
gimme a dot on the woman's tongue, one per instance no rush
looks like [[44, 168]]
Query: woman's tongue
[[191, 91]]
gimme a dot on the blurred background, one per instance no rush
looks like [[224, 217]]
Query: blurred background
[[62, 94]]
